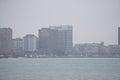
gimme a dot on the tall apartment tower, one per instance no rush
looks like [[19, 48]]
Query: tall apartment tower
[[118, 35], [5, 40]]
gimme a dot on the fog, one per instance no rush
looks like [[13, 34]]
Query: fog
[[92, 20]]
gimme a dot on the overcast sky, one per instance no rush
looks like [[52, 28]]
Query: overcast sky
[[93, 20]]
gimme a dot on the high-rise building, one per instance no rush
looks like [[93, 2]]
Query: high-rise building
[[5, 40], [47, 39], [30, 43], [64, 36], [56, 38], [118, 35]]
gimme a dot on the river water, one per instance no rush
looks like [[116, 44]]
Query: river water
[[60, 69]]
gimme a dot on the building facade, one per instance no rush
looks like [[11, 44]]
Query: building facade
[[18, 43], [47, 40], [30, 43], [55, 39], [65, 40], [114, 50], [89, 49], [5, 40], [18, 47]]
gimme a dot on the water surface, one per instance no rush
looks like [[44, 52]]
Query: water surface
[[60, 69]]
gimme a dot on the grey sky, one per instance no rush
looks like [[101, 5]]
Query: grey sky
[[92, 20]]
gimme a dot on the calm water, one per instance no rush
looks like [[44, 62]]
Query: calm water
[[60, 69]]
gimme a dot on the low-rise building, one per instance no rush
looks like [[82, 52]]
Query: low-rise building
[[89, 49]]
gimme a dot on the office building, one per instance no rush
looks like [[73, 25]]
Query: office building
[[64, 36], [55, 39], [47, 39], [5, 40], [30, 43]]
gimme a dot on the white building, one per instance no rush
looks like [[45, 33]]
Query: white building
[[89, 49], [30, 43]]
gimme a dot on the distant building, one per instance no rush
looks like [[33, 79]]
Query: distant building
[[18, 47], [114, 50], [55, 39], [47, 40], [30, 43], [65, 41], [5, 40], [18, 43], [118, 35], [89, 49]]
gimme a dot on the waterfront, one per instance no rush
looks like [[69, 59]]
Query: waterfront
[[60, 69]]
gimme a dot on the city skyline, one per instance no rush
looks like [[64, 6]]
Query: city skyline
[[21, 37], [93, 21], [52, 42]]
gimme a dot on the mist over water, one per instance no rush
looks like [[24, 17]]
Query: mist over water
[[30, 50], [93, 20]]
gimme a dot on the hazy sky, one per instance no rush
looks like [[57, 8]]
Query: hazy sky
[[92, 20]]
